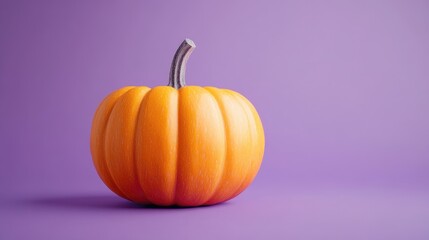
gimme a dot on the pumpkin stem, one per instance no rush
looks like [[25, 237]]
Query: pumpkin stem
[[178, 66]]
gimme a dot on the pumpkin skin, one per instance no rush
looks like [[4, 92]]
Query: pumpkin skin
[[190, 146]]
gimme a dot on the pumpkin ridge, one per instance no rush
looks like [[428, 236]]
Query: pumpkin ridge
[[216, 188], [136, 172], [176, 182], [198, 166], [177, 150], [244, 103], [226, 128], [109, 172], [243, 181], [105, 149], [102, 161], [155, 145]]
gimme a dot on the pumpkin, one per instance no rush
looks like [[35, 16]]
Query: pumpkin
[[177, 145]]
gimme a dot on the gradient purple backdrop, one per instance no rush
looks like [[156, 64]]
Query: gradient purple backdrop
[[342, 88]]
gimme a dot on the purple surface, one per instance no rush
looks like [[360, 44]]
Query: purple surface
[[342, 88]]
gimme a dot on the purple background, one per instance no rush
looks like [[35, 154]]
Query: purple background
[[342, 88]]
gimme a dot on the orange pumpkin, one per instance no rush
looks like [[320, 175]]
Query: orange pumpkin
[[177, 145]]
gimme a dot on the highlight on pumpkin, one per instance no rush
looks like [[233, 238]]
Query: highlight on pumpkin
[[176, 144]]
